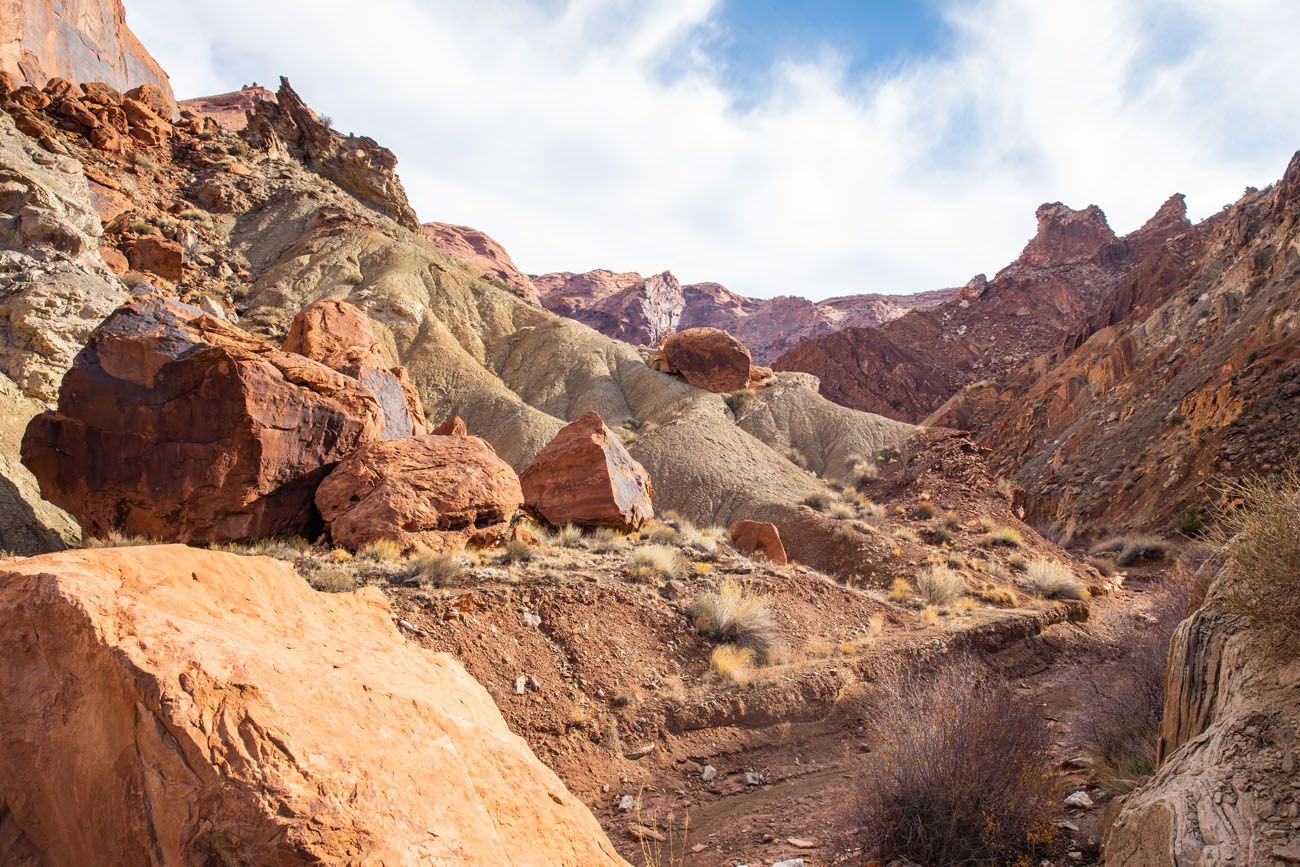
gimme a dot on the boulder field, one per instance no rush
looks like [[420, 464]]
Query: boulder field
[[163, 707]]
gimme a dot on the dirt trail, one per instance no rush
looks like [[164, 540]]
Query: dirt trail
[[800, 788]]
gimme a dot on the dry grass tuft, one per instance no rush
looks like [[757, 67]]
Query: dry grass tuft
[[1001, 537], [568, 536], [1132, 548], [382, 550], [1052, 579], [900, 591], [334, 579], [819, 501], [733, 662], [663, 534], [940, 585], [517, 551], [604, 540], [1000, 597], [732, 616], [1260, 544], [1104, 565], [436, 570], [654, 561]]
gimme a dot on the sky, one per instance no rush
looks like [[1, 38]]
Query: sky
[[816, 148]]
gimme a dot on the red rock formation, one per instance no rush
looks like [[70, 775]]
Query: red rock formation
[[758, 536], [175, 425], [481, 251], [585, 477], [172, 712], [356, 163], [1187, 372], [155, 255], [706, 358], [433, 493], [339, 335], [454, 426], [910, 366], [646, 310], [230, 110], [78, 40]]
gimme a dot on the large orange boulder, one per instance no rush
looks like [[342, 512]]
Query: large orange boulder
[[584, 476], [760, 537], [430, 492], [340, 335], [707, 358], [174, 706], [178, 426]]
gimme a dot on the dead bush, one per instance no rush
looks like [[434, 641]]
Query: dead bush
[[1052, 579], [1260, 545], [961, 775], [1132, 548], [654, 561], [436, 570], [1123, 720], [1002, 537]]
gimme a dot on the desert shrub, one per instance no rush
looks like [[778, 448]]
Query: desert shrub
[[940, 585], [436, 570], [1123, 721], [605, 540], [961, 775], [115, 539], [873, 513], [819, 501], [1260, 545], [654, 561], [1104, 565], [332, 578], [1001, 537], [739, 401], [732, 616], [1018, 562], [1052, 579], [733, 662], [1132, 548], [842, 511], [930, 614], [924, 511], [900, 591], [517, 551], [863, 473], [381, 550], [939, 532], [663, 534], [699, 540], [1001, 597], [140, 227], [142, 161], [567, 536], [794, 456], [197, 215]]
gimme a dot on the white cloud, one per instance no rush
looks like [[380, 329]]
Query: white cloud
[[599, 133]]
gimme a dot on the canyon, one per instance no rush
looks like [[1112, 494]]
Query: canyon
[[331, 536]]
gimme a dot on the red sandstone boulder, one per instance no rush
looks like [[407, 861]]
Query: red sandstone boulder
[[585, 477], [452, 427], [178, 426], [339, 335], [707, 358], [156, 255], [172, 706], [758, 536], [429, 492]]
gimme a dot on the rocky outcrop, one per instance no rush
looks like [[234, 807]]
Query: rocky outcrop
[[647, 310], [169, 700], [586, 477], [453, 426], [708, 358], [912, 366], [230, 110], [77, 40], [480, 251], [434, 493], [760, 537], [176, 425], [356, 163], [340, 336], [1225, 792], [28, 524]]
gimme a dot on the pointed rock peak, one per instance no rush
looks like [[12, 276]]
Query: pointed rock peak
[[663, 281], [1170, 220], [1066, 235], [1288, 189]]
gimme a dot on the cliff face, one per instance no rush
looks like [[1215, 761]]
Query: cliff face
[[1225, 793], [80, 40], [911, 365], [645, 310], [1190, 370]]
